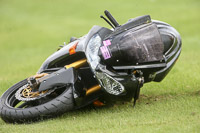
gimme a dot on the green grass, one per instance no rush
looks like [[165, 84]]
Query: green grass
[[31, 30]]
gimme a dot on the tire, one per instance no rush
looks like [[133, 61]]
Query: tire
[[37, 110]]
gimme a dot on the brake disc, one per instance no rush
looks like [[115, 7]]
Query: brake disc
[[25, 93]]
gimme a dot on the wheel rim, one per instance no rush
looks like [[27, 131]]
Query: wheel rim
[[12, 102]]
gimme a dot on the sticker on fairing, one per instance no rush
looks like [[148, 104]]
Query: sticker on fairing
[[106, 43], [105, 52]]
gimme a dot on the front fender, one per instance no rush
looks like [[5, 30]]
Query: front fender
[[59, 78]]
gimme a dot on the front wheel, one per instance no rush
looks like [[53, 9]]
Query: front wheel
[[13, 110]]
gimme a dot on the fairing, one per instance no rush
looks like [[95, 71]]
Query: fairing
[[61, 55], [153, 71], [138, 45], [156, 71], [171, 53]]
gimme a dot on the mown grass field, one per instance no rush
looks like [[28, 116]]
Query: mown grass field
[[32, 30]]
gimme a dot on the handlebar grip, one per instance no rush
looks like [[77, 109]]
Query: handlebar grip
[[111, 18]]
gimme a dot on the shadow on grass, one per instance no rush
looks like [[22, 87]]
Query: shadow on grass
[[143, 100], [167, 96], [117, 106]]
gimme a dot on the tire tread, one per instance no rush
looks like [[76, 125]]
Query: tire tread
[[55, 107]]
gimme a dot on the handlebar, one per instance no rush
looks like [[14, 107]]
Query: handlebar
[[111, 18]]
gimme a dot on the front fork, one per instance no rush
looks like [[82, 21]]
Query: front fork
[[41, 82], [79, 64], [90, 94]]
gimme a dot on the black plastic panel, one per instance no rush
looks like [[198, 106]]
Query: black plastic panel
[[136, 46]]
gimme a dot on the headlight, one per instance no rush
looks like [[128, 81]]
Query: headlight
[[111, 85], [92, 51]]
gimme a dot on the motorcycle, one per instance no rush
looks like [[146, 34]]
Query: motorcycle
[[103, 66]]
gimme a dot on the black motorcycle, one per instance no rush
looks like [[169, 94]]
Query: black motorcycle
[[103, 66]]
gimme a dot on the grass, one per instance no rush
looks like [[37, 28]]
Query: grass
[[31, 30]]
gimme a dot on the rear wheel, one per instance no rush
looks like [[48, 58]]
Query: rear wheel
[[13, 110]]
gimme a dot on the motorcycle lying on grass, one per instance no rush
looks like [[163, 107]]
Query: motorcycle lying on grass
[[104, 65]]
